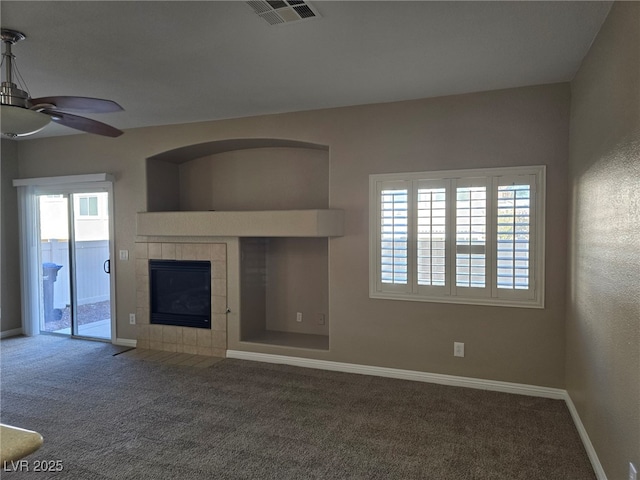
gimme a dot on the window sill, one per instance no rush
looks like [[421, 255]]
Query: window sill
[[490, 302]]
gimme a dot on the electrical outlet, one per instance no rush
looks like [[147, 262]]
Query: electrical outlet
[[321, 319], [299, 317], [458, 349], [132, 318], [633, 472]]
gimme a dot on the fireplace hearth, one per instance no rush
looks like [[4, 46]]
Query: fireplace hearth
[[180, 293]]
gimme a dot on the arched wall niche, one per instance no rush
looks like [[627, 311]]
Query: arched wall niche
[[239, 174], [281, 266]]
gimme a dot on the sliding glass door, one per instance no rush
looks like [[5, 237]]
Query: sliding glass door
[[74, 251], [54, 255], [92, 264]]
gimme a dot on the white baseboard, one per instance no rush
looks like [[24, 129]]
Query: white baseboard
[[586, 441], [452, 380], [11, 333], [125, 342]]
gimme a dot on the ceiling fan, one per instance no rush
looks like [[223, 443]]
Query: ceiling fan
[[23, 115]]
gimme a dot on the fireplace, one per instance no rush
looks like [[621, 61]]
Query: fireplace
[[180, 293]]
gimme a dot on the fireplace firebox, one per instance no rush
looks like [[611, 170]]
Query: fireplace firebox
[[180, 293]]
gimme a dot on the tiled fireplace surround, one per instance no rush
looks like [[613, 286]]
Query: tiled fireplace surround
[[170, 338]]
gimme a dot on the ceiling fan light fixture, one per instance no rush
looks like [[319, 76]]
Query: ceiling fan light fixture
[[21, 115], [19, 122]]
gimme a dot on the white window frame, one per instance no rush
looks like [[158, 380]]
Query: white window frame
[[89, 215], [492, 178]]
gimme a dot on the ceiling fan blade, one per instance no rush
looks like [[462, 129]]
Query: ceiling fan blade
[[79, 104], [84, 124]]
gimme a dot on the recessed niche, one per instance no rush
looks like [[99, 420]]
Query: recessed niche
[[273, 195], [257, 179], [265, 174], [282, 281]]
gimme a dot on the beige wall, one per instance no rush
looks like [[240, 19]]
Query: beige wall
[[297, 281], [9, 258], [256, 179], [293, 276], [603, 300], [525, 126], [253, 286], [163, 186], [280, 277]]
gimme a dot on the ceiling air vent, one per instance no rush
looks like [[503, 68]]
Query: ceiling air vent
[[278, 12]]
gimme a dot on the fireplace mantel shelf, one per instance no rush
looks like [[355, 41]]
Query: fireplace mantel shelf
[[269, 223]]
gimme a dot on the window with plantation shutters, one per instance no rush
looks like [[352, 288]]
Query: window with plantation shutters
[[393, 236], [471, 236], [513, 236], [467, 236], [431, 235], [515, 231]]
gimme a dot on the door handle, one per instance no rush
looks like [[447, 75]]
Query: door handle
[[106, 266]]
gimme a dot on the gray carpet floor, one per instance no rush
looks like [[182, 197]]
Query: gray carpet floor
[[118, 417]]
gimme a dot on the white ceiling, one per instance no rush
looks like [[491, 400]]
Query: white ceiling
[[185, 61]]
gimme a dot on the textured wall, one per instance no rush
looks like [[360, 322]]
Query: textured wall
[[10, 260], [603, 324], [297, 281], [256, 179], [163, 186], [253, 286], [523, 126]]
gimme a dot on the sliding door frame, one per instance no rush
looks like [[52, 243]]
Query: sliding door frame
[[28, 191]]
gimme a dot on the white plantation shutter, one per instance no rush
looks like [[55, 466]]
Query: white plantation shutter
[[467, 236], [515, 236], [471, 260], [431, 235], [393, 242]]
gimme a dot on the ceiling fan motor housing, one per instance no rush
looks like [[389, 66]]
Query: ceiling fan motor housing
[[12, 95]]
